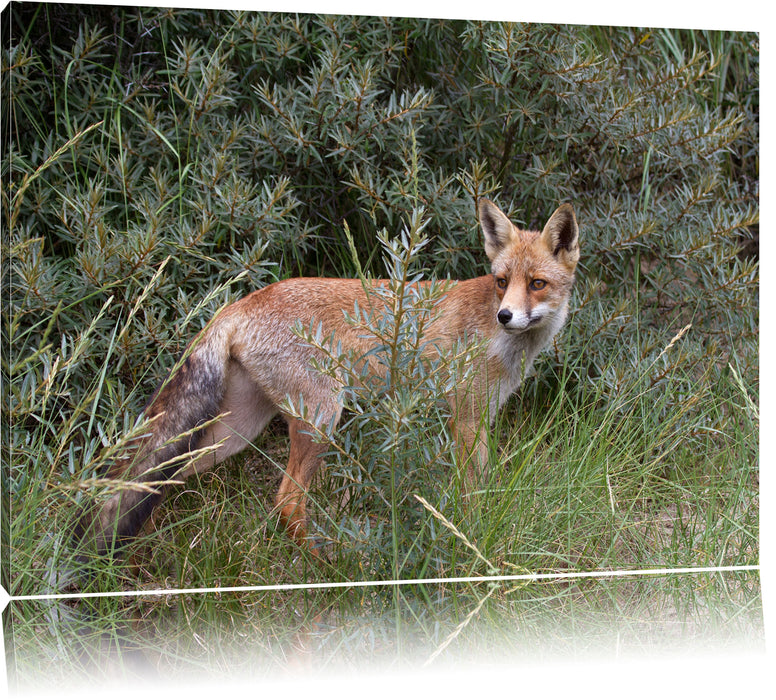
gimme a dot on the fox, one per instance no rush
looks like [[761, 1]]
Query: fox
[[239, 372]]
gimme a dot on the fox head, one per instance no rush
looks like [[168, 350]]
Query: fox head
[[532, 271]]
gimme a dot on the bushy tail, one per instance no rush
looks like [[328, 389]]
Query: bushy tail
[[187, 399]]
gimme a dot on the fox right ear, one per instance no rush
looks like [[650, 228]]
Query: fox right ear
[[497, 229]]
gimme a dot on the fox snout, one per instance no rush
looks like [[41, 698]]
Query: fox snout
[[519, 321]]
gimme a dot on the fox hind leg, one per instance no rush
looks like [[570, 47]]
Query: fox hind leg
[[305, 458], [246, 412]]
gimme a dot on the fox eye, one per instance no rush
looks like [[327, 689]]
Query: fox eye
[[536, 285], [501, 282]]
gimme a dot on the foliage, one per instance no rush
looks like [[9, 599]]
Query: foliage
[[152, 157]]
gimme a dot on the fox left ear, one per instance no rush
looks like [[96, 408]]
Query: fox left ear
[[561, 234]]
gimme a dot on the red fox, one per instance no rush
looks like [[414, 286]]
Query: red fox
[[248, 361]]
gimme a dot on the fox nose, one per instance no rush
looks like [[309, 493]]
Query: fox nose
[[504, 316]]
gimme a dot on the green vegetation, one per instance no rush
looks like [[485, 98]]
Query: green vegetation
[[158, 164]]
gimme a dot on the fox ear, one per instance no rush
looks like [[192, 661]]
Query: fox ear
[[561, 234], [496, 227]]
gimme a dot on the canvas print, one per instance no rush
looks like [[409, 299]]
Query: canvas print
[[364, 342]]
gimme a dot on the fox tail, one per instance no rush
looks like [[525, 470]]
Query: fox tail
[[177, 414]]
